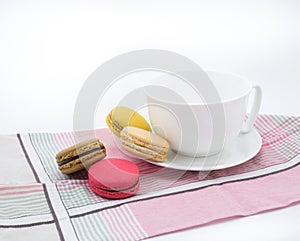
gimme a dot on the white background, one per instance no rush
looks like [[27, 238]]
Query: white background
[[48, 49]]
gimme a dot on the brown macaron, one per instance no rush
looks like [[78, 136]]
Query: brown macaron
[[80, 156], [144, 144]]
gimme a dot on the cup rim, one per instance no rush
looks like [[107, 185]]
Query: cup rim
[[208, 103]]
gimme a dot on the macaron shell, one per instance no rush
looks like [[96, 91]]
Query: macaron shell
[[114, 195], [113, 174], [79, 148], [123, 116], [75, 167]]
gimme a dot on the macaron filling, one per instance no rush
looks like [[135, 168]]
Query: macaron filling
[[144, 149], [138, 142], [113, 124], [117, 126], [107, 189], [61, 163]]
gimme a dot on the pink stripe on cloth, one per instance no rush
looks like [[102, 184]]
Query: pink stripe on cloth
[[19, 187], [219, 202], [23, 192]]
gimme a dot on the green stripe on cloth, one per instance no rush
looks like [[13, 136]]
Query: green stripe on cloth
[[92, 227], [288, 123], [279, 118], [77, 196], [44, 144], [19, 205]]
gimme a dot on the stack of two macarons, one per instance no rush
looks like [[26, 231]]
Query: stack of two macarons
[[135, 134], [110, 178]]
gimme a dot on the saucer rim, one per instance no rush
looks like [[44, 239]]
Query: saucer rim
[[216, 167]]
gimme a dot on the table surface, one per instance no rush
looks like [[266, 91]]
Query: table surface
[[49, 49]]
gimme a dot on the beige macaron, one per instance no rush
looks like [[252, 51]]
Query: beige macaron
[[80, 156], [144, 144]]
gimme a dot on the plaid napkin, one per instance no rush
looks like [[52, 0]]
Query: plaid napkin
[[36, 199]]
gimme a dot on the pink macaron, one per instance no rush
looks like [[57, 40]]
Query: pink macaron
[[114, 178]]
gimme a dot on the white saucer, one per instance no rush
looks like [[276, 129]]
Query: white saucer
[[241, 150]]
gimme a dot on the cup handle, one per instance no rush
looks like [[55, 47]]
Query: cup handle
[[248, 125]]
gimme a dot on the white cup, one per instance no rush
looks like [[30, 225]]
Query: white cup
[[187, 122]]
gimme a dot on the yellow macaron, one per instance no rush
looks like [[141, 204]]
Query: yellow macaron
[[121, 116]]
